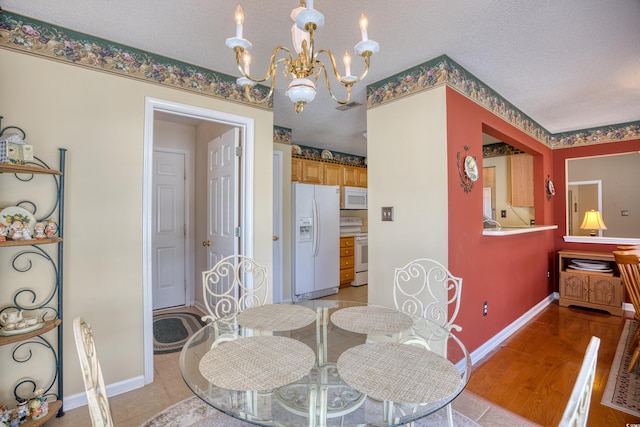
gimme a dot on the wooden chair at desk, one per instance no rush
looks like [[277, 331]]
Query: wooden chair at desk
[[628, 262]]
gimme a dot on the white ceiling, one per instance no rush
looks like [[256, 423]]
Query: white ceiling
[[569, 65]]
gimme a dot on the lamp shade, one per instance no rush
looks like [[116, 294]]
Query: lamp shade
[[593, 221]]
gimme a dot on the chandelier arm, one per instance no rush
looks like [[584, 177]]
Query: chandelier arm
[[365, 55], [273, 64], [248, 88], [326, 78]]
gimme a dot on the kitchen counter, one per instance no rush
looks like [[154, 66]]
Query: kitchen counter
[[510, 230]]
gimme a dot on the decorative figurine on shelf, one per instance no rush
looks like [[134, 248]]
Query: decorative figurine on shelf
[[16, 230], [5, 416], [26, 233], [35, 405], [23, 411], [52, 228], [39, 231], [4, 231]]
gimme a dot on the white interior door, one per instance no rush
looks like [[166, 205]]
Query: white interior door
[[169, 275], [223, 196]]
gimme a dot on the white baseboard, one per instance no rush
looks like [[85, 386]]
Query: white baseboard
[[80, 399], [488, 346]]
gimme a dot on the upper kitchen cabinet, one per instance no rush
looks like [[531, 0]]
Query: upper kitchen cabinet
[[522, 180], [354, 176], [307, 171], [332, 174]]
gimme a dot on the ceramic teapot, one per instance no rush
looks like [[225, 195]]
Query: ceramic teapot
[[10, 318]]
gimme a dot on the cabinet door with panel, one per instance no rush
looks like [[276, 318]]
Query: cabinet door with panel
[[522, 180], [332, 174]]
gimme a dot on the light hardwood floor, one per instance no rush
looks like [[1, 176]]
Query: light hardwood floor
[[531, 374]]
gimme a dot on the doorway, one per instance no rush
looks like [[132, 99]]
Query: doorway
[[245, 126]]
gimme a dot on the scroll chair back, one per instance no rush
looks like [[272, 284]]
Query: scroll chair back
[[426, 288], [234, 284], [576, 412], [628, 262], [92, 375]]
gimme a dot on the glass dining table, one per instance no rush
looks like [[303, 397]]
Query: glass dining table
[[325, 363]]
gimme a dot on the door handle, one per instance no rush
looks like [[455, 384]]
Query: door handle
[[275, 238], [206, 243]]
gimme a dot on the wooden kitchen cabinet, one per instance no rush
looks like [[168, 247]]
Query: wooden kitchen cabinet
[[593, 289], [354, 177], [332, 173], [307, 171], [521, 180], [347, 261]]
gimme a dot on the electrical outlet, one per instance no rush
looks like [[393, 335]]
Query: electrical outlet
[[503, 213], [485, 308]]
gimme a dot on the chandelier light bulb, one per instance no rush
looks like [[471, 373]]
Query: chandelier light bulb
[[347, 63], [246, 60], [364, 24], [239, 16]]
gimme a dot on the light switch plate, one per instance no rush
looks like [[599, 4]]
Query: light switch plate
[[387, 213]]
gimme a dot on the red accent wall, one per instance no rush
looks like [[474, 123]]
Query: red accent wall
[[509, 272]]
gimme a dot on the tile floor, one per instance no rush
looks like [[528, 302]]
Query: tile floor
[[134, 408]]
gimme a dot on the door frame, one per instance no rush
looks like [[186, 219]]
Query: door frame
[[247, 141], [278, 252]]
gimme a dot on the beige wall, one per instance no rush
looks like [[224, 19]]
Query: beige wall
[[407, 169], [99, 118], [620, 175]]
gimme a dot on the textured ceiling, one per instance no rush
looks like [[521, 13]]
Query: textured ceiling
[[568, 65]]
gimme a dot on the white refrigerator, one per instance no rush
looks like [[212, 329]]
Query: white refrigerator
[[316, 240]]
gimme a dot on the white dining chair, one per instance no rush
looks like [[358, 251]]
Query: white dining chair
[[576, 412], [426, 288], [234, 284], [97, 399]]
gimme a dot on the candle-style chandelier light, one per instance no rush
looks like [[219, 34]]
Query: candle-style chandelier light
[[302, 70]]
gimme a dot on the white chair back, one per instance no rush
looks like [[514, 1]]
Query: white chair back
[[234, 284], [92, 375], [576, 412], [426, 288]]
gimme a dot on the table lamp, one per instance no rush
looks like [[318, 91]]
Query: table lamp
[[593, 221]]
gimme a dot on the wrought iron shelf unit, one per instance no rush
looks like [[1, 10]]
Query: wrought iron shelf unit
[[29, 347]]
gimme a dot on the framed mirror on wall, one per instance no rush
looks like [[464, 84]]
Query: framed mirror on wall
[[609, 185]]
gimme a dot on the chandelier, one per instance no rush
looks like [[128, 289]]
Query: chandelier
[[303, 69]]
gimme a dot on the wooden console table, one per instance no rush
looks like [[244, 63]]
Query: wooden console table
[[586, 288]]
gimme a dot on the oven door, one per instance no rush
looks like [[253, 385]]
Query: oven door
[[362, 253]]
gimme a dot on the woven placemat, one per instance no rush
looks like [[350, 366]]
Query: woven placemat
[[257, 363], [277, 317], [371, 320], [398, 372]]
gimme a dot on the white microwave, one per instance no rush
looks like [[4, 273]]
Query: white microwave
[[354, 198]]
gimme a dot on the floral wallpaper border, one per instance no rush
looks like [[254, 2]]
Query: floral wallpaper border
[[313, 153], [28, 35], [444, 71], [39, 38], [282, 134]]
